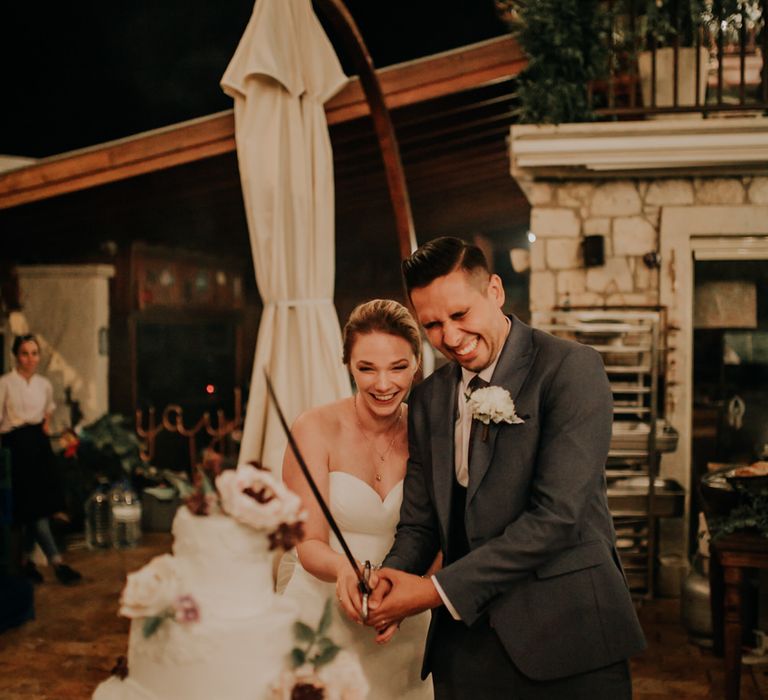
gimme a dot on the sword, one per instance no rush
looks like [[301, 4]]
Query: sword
[[364, 576]]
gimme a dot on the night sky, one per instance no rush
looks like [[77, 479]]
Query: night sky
[[80, 73]]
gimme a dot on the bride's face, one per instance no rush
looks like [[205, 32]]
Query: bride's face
[[383, 367]]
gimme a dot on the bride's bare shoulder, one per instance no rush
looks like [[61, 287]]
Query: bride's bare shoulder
[[322, 421]]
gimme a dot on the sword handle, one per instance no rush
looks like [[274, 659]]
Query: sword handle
[[365, 588]]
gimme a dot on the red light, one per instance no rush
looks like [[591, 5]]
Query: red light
[[210, 389]]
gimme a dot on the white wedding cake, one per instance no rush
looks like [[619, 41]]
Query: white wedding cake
[[205, 620]]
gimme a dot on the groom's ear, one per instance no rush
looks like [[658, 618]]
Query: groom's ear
[[495, 290]]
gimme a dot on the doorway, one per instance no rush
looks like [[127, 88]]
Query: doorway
[[730, 365]]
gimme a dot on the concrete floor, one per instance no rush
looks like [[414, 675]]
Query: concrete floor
[[76, 637]]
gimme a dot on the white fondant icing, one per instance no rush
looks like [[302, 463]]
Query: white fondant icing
[[244, 634]]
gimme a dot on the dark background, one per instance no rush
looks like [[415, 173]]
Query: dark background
[[79, 73]]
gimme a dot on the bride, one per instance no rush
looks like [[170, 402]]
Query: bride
[[357, 449]]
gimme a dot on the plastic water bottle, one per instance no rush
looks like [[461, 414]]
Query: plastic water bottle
[[98, 533], [125, 516]]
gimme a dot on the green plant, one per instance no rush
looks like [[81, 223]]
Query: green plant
[[730, 15], [104, 451], [565, 41], [667, 19], [111, 442], [750, 514]]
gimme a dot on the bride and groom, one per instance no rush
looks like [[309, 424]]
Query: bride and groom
[[490, 514]]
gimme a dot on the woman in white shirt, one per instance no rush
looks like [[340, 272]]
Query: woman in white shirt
[[26, 403]]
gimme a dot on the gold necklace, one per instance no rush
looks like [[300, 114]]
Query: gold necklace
[[381, 455]]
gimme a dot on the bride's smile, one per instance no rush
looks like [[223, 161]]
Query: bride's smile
[[382, 366]]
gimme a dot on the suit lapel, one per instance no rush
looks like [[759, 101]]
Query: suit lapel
[[442, 425], [511, 370]]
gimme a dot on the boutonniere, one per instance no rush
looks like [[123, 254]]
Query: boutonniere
[[492, 403]]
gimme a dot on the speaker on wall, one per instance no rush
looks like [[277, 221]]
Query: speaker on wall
[[594, 251]]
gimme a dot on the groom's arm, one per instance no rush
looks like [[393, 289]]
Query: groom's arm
[[417, 538], [569, 471]]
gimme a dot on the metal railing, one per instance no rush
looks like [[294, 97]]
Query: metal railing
[[678, 56]]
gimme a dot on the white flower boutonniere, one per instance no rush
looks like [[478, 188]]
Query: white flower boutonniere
[[492, 403]]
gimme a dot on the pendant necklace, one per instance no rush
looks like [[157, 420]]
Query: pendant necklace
[[381, 455]]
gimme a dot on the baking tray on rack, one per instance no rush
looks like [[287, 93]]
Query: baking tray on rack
[[628, 496], [633, 435]]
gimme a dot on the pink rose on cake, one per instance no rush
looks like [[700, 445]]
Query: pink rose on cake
[[255, 497], [152, 589], [153, 593]]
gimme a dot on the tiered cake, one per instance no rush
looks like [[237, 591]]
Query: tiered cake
[[205, 621]]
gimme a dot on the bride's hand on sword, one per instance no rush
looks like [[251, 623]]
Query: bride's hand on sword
[[348, 593]]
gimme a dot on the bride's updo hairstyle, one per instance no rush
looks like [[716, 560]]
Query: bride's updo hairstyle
[[381, 316]]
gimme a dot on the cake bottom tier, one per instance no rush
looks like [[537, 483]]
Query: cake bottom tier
[[237, 660]]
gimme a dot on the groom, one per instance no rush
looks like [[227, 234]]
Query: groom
[[531, 601]]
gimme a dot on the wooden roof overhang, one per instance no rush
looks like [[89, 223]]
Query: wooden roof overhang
[[402, 85]]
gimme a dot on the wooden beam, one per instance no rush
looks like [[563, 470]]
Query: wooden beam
[[402, 84]]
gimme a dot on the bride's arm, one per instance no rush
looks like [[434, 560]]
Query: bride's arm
[[312, 437]]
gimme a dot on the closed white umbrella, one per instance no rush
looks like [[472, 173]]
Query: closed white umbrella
[[283, 71]]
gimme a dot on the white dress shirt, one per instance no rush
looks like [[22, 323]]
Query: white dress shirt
[[461, 440], [24, 402]]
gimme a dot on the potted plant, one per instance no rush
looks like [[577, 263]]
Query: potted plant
[[667, 22], [566, 48]]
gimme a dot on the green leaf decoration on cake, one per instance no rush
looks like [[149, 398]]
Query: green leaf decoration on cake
[[325, 657], [324, 643], [151, 625], [298, 657], [303, 633], [325, 620], [318, 649]]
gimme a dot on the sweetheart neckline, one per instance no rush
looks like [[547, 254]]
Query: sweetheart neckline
[[367, 485]]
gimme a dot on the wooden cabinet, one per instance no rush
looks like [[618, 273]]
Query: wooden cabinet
[[165, 283], [177, 330]]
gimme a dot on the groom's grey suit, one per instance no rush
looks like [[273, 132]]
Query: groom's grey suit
[[542, 562]]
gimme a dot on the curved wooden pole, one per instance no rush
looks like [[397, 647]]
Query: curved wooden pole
[[337, 14]]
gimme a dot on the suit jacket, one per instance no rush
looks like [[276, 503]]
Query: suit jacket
[[542, 565]]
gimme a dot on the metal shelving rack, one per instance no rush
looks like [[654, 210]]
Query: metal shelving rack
[[630, 345]]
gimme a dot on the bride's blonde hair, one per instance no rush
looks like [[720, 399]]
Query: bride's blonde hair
[[381, 316]]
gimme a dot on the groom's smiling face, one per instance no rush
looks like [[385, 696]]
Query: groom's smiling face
[[461, 313]]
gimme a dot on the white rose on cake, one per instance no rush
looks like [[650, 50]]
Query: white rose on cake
[[256, 498], [152, 589], [344, 678]]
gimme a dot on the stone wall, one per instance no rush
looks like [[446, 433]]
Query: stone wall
[[627, 213]]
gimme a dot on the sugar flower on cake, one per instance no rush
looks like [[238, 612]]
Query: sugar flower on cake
[[344, 678], [321, 670], [152, 589], [186, 610], [255, 497], [153, 593]]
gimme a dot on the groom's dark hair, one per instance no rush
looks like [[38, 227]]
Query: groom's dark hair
[[439, 257]]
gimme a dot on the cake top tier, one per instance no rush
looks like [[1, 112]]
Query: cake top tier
[[255, 497]]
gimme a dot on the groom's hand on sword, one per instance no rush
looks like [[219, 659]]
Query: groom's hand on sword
[[397, 595], [350, 600], [380, 589]]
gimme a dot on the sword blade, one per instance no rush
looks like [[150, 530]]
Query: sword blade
[[313, 486]]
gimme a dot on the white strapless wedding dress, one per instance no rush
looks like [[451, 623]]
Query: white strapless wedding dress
[[368, 525]]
